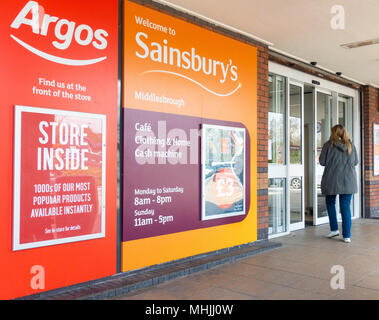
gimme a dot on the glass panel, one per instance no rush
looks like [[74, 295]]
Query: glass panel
[[276, 205], [276, 120], [345, 114], [341, 112], [296, 200], [323, 126], [295, 125]]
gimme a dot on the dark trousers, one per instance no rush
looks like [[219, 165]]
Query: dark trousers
[[344, 200]]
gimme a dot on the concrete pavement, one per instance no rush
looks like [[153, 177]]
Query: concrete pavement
[[300, 269]]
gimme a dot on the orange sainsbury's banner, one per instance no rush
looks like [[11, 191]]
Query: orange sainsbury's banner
[[178, 78], [58, 169]]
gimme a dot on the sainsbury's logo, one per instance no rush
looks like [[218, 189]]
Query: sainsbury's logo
[[183, 60], [65, 32]]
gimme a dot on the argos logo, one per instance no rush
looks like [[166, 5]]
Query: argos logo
[[64, 30]]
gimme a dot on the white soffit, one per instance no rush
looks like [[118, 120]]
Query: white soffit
[[303, 29]]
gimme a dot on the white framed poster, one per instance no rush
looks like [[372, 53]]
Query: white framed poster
[[223, 158], [59, 177], [375, 140]]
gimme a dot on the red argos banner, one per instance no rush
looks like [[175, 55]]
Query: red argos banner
[[58, 114]]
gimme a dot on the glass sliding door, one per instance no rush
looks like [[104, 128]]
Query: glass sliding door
[[301, 115], [323, 124], [345, 117], [331, 109], [277, 155], [296, 156]]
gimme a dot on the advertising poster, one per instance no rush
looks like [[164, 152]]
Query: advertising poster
[[179, 78], [223, 172], [376, 148], [59, 177]]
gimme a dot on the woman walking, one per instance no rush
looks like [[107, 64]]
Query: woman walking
[[339, 157]]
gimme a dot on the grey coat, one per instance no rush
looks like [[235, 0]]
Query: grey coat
[[339, 175]]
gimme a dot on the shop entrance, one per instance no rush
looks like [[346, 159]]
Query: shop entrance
[[301, 115], [322, 110]]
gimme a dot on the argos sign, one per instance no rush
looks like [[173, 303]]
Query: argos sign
[[65, 32], [58, 116]]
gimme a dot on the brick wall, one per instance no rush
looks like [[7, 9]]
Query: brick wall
[[262, 107], [262, 143], [371, 183]]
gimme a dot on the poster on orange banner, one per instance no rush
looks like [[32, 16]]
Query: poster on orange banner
[[223, 171]]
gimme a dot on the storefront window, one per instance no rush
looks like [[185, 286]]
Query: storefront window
[[345, 114], [295, 125], [276, 205], [324, 120], [299, 123], [276, 120], [323, 128]]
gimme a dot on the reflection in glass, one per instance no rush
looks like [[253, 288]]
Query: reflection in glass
[[276, 205], [342, 112], [295, 126], [323, 126], [295, 200], [276, 120], [345, 114]]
